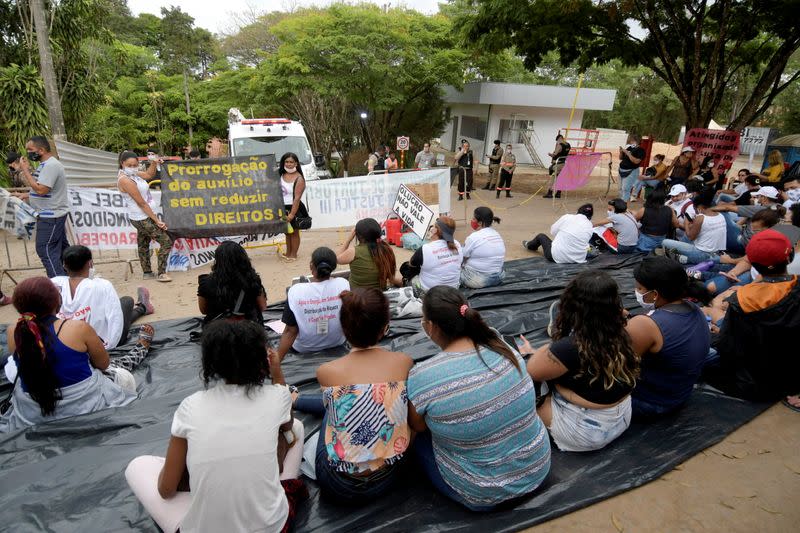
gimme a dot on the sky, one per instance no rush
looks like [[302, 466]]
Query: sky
[[217, 16]]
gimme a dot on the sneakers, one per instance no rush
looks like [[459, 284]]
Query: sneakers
[[143, 296], [148, 275], [460, 197], [549, 194], [524, 244], [558, 194], [694, 274], [5, 300], [163, 278], [552, 314]]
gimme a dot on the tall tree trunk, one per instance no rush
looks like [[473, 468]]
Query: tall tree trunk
[[47, 71], [188, 107]]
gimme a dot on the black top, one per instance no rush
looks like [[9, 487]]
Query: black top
[[744, 199], [381, 164], [207, 288], [465, 160], [566, 351], [657, 221], [625, 162], [416, 258], [495, 157]]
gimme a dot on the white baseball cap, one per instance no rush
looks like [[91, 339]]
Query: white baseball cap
[[687, 149], [677, 189], [768, 191]]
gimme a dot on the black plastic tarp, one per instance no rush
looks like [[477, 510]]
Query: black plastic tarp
[[67, 475]]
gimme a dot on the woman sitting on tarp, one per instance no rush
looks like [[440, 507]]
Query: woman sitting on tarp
[[672, 339], [437, 262], [227, 468], [233, 288], [480, 440], [60, 363], [313, 310], [484, 252], [361, 448], [590, 367], [657, 221], [372, 262]]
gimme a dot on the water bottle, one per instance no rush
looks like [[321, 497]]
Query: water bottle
[[708, 321]]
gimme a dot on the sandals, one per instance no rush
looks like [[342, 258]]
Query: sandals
[[146, 333], [163, 278], [794, 408]]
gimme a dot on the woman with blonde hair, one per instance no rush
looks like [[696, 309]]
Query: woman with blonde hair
[[774, 171], [591, 367]]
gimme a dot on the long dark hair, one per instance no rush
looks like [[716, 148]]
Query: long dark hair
[[590, 310], [656, 198], [36, 299], [284, 157], [235, 351], [368, 232], [233, 272], [443, 306], [485, 216], [364, 316], [669, 279]]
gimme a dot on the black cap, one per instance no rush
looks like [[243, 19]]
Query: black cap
[[11, 157]]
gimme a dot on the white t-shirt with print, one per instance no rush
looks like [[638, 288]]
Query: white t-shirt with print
[[440, 265], [485, 251], [95, 302], [232, 457], [316, 308]]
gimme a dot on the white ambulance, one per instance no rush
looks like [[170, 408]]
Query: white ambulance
[[264, 136]]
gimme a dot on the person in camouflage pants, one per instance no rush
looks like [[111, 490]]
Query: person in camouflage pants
[[146, 231]]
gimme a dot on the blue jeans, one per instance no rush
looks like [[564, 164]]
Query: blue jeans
[[627, 183], [477, 280], [623, 249], [423, 452], [725, 198], [340, 486], [642, 183], [51, 240], [733, 234], [690, 252], [648, 243], [722, 284]]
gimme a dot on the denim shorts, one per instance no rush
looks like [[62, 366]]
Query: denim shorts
[[473, 279], [578, 429]]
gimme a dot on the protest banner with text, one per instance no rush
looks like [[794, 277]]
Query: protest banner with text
[[413, 211], [722, 145], [225, 196], [344, 201]]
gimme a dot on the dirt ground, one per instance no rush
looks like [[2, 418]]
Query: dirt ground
[[745, 483]]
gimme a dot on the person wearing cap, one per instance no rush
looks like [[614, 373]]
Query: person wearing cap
[[313, 310], [741, 193], [680, 201], [682, 167], [494, 165], [571, 235], [437, 262], [14, 172], [704, 234], [739, 230], [757, 341]]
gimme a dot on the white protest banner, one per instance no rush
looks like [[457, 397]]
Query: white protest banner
[[413, 211], [100, 221], [344, 201]]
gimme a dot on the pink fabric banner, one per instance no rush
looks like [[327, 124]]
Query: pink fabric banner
[[576, 171]]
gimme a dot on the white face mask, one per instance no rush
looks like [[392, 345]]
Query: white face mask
[[610, 212], [130, 171], [289, 167], [640, 298], [422, 327], [794, 195]]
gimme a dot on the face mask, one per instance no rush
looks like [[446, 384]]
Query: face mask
[[34, 156], [92, 272], [640, 298], [290, 169], [610, 212], [130, 171], [794, 195], [474, 224], [422, 327]]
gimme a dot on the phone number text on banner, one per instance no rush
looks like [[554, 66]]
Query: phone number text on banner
[[225, 196]]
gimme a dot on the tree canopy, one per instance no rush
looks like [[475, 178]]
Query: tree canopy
[[699, 48]]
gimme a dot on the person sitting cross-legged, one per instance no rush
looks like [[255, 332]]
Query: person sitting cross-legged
[[571, 237], [705, 234]]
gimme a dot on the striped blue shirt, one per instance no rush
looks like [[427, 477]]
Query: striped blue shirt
[[489, 443]]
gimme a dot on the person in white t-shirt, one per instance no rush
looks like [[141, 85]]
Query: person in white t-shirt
[[624, 223], [312, 311], [437, 262], [225, 439], [705, 233], [484, 252], [571, 235]]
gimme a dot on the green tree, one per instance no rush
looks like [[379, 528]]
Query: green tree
[[697, 47], [389, 65]]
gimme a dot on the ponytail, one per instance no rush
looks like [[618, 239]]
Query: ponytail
[[485, 216], [34, 366], [447, 308]]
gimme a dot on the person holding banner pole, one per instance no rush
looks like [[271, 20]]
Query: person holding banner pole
[[135, 189], [293, 185]]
